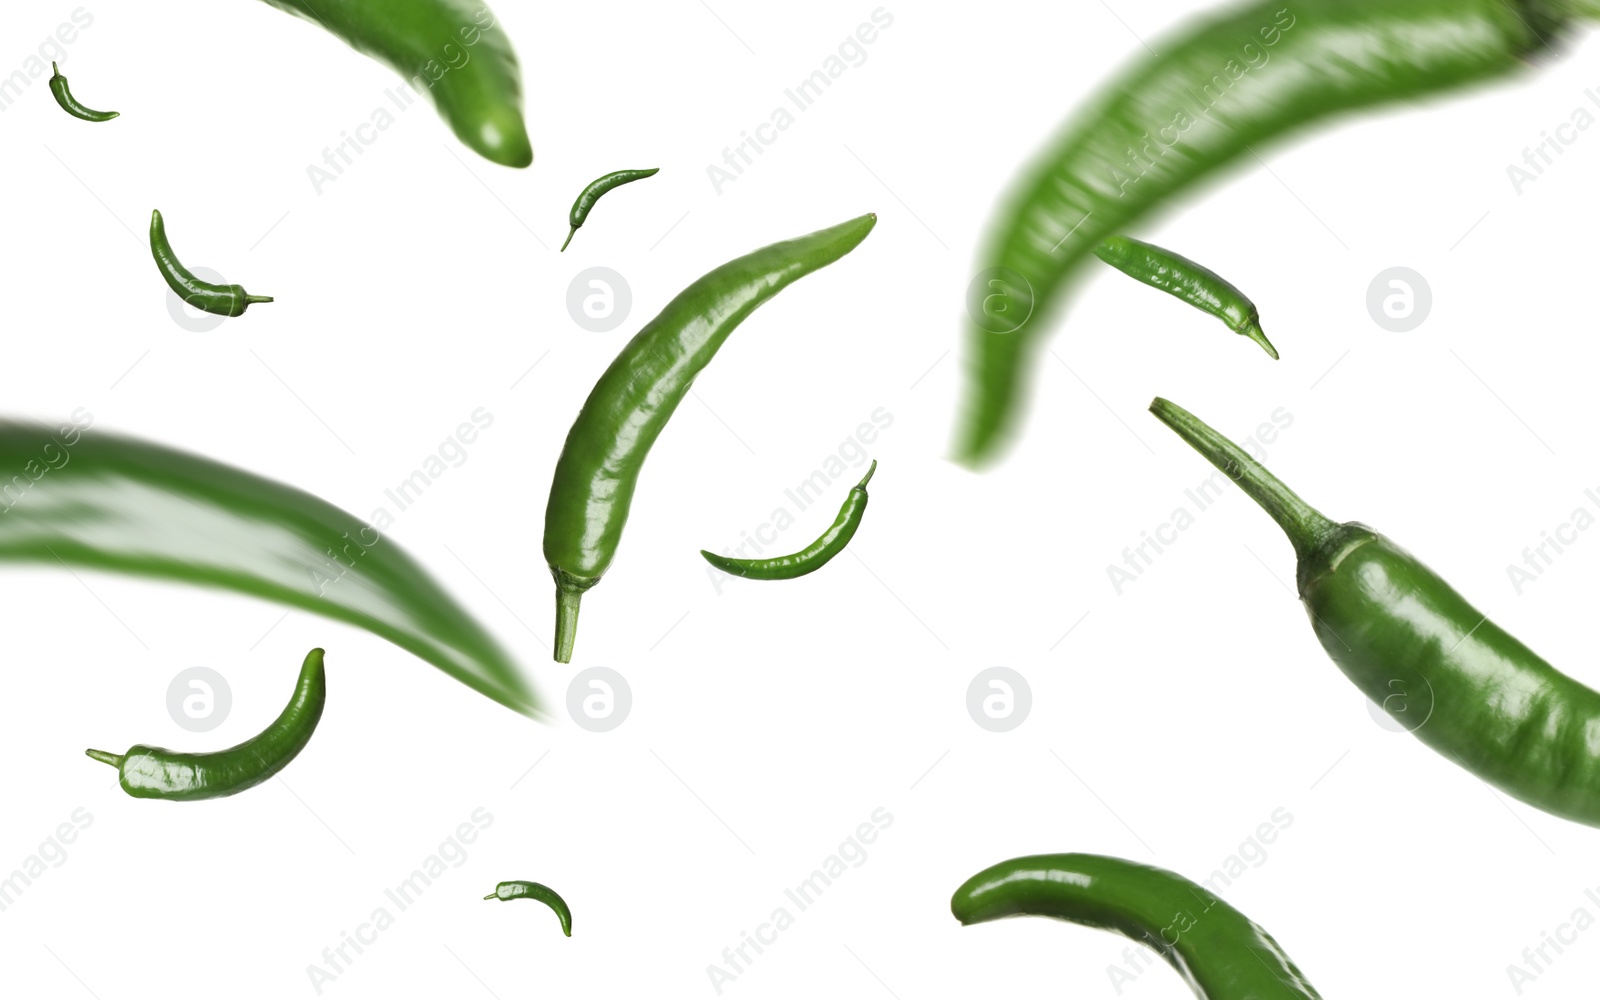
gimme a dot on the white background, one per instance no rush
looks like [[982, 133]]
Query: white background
[[771, 719]]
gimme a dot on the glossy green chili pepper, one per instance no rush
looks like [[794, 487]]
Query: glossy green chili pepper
[[71, 495], [70, 104], [147, 772], [533, 890], [223, 300], [1416, 648], [633, 400], [1182, 278], [1221, 953], [1207, 96], [591, 194], [451, 50], [814, 556]]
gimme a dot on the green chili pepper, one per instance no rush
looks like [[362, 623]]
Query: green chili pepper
[[543, 893], [147, 772], [636, 396], [1415, 647], [223, 300], [1209, 95], [1182, 278], [814, 556], [1221, 953], [77, 497], [591, 194], [70, 104], [451, 50]]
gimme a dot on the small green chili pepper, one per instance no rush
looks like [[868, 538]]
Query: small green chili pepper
[[1194, 283], [591, 194], [223, 300], [814, 556], [1216, 91], [70, 104], [543, 893], [1416, 648], [631, 403], [148, 772], [1221, 953]]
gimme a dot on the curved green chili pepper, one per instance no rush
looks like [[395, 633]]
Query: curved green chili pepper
[[223, 300], [147, 772], [814, 556], [451, 50], [543, 893], [1221, 953], [633, 400], [70, 104], [591, 194], [1210, 94], [1182, 278], [86, 499], [1415, 647]]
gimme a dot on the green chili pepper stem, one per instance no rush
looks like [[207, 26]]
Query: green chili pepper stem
[[570, 234], [1307, 528], [868, 477], [1255, 333], [567, 600], [114, 759]]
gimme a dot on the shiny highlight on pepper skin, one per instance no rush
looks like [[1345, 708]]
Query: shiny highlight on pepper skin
[[629, 407], [1221, 953], [1415, 647]]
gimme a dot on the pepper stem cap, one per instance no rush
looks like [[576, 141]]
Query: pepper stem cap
[[567, 600], [114, 759]]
